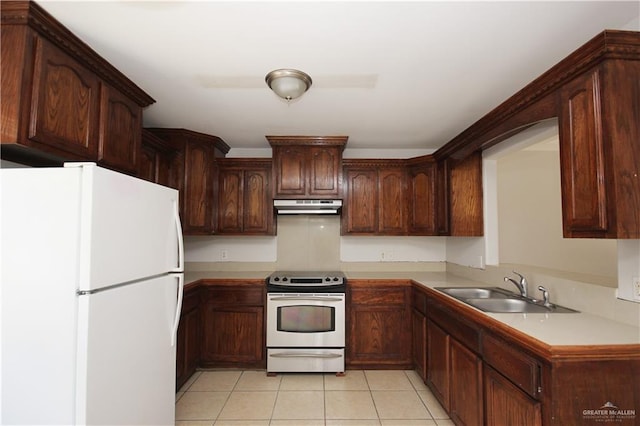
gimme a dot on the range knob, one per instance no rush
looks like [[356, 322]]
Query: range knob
[[285, 279], [276, 279], [336, 279], [327, 279]]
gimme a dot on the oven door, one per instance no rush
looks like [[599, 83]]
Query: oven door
[[305, 320]]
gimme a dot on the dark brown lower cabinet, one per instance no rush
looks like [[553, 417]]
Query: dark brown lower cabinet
[[233, 326], [438, 363], [465, 386], [379, 325], [188, 341], [419, 343], [506, 404]]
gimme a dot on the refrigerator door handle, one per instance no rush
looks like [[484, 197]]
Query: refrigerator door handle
[[176, 320], [176, 213]]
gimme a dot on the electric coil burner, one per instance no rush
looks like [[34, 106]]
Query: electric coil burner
[[305, 321]]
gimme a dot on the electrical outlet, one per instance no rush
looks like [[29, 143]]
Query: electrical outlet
[[636, 287], [386, 256], [224, 254]]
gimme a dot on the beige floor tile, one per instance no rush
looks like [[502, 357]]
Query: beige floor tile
[[242, 423], [349, 405], [200, 405], [255, 405], [416, 380], [297, 422], [352, 380], [405, 422], [399, 405], [194, 423], [179, 395], [346, 422], [388, 380], [189, 382], [257, 381], [434, 407], [209, 381], [299, 405], [447, 422], [300, 381]]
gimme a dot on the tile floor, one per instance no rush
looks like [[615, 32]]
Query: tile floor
[[360, 398]]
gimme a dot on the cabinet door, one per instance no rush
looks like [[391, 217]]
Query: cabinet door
[[290, 170], [422, 206], [324, 168], [379, 330], [188, 346], [64, 104], [419, 343], [584, 202], [233, 336], [442, 198], [438, 363], [465, 192], [391, 202], [465, 386], [197, 216], [120, 131], [361, 216], [230, 195], [148, 164], [505, 404], [257, 216]]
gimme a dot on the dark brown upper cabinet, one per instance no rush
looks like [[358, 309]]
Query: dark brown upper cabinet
[[60, 100], [244, 197], [600, 152], [307, 166], [375, 195], [156, 156], [593, 93], [192, 172]]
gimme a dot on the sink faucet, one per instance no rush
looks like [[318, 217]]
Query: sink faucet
[[522, 285], [545, 297]]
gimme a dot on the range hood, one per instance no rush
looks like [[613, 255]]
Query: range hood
[[307, 206]]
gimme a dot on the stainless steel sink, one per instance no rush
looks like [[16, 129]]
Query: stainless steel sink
[[498, 300], [475, 292]]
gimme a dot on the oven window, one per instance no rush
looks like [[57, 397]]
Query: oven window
[[306, 318]]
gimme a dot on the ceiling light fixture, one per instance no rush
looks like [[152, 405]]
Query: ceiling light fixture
[[288, 83]]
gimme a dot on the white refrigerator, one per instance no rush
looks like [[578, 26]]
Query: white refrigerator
[[91, 291]]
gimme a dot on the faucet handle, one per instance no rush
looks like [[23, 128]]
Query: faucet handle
[[545, 296], [523, 280]]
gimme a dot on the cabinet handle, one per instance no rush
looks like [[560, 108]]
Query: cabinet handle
[[310, 298], [303, 355]]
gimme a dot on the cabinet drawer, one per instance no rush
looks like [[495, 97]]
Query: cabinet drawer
[[190, 300], [378, 296], [244, 296], [515, 365], [462, 331]]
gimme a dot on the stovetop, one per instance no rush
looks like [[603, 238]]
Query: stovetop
[[306, 281]]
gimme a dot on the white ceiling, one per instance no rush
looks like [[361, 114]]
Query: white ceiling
[[390, 75]]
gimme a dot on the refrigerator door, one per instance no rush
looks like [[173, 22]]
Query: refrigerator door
[[129, 229], [125, 358]]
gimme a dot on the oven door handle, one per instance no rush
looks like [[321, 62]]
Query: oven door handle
[[311, 298], [303, 355]]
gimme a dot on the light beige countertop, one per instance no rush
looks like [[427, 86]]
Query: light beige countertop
[[554, 329]]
